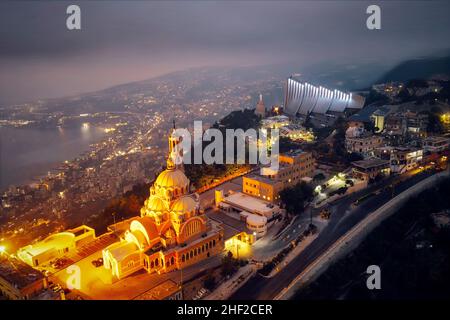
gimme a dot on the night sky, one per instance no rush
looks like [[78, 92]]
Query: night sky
[[123, 41]]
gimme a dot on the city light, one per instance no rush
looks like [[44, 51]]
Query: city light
[[108, 130], [238, 248]]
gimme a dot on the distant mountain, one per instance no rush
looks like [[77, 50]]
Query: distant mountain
[[418, 69]]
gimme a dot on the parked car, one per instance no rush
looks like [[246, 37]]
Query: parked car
[[97, 263]]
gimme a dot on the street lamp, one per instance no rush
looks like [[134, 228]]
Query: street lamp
[[2, 249]]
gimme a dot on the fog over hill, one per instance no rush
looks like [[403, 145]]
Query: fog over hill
[[421, 68]]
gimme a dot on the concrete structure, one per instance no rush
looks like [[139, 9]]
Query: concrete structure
[[303, 98], [416, 123], [275, 122], [401, 159], [56, 246], [379, 117], [168, 290], [20, 281], [370, 168], [364, 144], [238, 202], [293, 131], [257, 224], [297, 132], [293, 167], [401, 123], [435, 144]]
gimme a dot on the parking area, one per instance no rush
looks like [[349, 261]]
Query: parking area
[[230, 225], [207, 197]]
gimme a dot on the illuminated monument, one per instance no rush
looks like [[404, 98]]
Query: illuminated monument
[[172, 232], [302, 98], [260, 110]]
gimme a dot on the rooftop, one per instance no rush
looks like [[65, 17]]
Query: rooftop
[[249, 203], [18, 273], [293, 153], [160, 292], [436, 139], [262, 178], [370, 163], [365, 113]]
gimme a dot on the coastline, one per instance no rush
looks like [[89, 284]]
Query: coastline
[[23, 163]]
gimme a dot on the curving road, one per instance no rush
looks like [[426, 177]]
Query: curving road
[[343, 218]]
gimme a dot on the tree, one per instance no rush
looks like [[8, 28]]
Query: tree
[[434, 121], [209, 282], [229, 265], [354, 157], [319, 177], [339, 137], [294, 198], [369, 126]]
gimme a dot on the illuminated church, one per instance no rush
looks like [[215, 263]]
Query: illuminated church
[[171, 233]]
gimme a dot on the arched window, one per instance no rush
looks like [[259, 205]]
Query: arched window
[[156, 262], [191, 254], [183, 258], [172, 260], [214, 242], [193, 228]]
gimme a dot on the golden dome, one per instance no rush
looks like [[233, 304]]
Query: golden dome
[[184, 204], [156, 204], [172, 178]]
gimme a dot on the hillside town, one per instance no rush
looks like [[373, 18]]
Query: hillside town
[[340, 152]]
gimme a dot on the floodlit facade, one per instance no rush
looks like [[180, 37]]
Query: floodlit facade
[[172, 232], [56, 246], [257, 224], [435, 144], [402, 159], [293, 131], [304, 98], [275, 122], [370, 168], [294, 166], [260, 110], [245, 205]]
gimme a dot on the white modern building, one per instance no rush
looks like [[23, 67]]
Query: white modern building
[[239, 201], [436, 144], [402, 159], [304, 98]]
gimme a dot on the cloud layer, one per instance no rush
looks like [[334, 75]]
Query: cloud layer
[[123, 41]]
